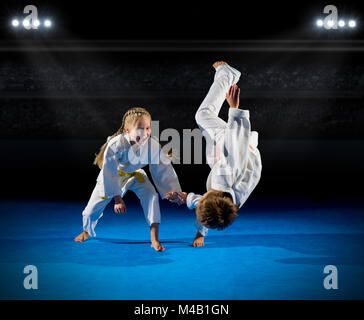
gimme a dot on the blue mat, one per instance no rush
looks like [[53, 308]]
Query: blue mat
[[274, 250]]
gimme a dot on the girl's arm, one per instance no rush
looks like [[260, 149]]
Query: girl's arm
[[119, 206], [108, 176], [162, 171], [176, 197]]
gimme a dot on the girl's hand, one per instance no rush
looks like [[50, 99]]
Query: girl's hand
[[232, 96], [119, 206], [177, 197]]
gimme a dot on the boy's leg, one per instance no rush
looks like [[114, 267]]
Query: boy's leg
[[207, 115]]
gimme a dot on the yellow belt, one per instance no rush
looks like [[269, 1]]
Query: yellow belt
[[138, 175]]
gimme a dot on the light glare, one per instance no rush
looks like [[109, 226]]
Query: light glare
[[15, 22], [352, 23], [319, 23], [341, 23], [330, 23]]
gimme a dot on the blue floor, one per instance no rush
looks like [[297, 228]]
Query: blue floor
[[275, 250]]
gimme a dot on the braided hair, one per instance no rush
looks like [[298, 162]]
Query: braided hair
[[129, 118]]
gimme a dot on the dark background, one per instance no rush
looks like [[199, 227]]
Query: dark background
[[199, 19], [64, 90]]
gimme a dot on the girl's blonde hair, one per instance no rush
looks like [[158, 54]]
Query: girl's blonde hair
[[129, 118]]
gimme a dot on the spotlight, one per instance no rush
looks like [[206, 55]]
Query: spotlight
[[319, 23], [352, 24], [36, 23], [47, 23], [25, 23], [341, 23], [15, 22], [330, 23]]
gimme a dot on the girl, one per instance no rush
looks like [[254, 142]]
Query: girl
[[120, 160]]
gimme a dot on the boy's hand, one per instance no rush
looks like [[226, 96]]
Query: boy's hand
[[232, 96], [177, 197], [119, 206]]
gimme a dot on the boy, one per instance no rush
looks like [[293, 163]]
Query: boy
[[231, 152]]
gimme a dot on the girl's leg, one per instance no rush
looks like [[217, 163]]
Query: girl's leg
[[154, 237], [91, 214], [149, 200]]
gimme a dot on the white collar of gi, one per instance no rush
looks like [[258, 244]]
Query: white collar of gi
[[126, 136]]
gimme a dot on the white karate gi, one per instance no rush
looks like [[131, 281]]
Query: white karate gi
[[231, 148], [120, 172]]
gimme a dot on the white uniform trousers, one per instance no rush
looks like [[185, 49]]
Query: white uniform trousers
[[207, 115], [145, 191]]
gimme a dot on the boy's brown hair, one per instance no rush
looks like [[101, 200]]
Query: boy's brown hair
[[216, 210]]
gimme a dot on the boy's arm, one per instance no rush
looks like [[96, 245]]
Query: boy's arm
[[192, 200], [237, 134], [235, 153], [238, 130], [237, 138], [201, 229]]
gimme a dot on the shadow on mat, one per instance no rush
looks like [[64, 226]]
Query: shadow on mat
[[119, 241], [96, 252], [337, 249]]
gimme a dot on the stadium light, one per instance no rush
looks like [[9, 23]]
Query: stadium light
[[36, 23], [15, 22], [319, 23], [352, 24], [25, 23], [341, 23], [47, 23], [330, 23]]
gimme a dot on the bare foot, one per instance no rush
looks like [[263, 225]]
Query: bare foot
[[199, 240], [82, 237], [219, 63], [157, 246]]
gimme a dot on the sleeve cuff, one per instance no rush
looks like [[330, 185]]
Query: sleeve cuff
[[201, 229], [232, 73], [238, 113], [189, 201]]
